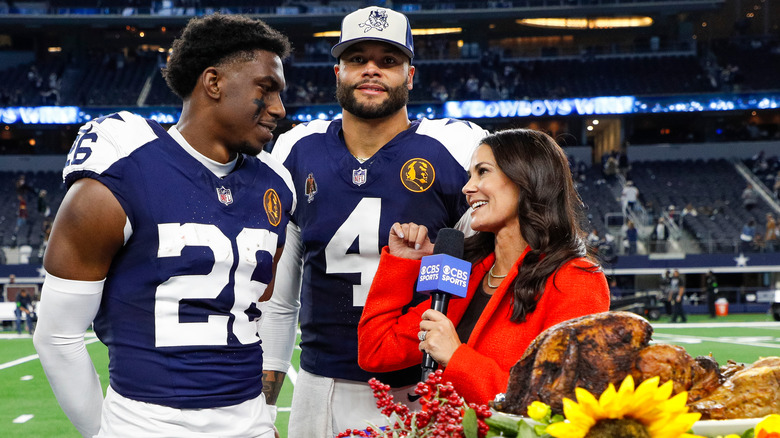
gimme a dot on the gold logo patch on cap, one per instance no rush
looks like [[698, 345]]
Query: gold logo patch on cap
[[417, 175], [273, 207]]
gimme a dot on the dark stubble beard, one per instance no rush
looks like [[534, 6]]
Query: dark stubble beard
[[397, 98]]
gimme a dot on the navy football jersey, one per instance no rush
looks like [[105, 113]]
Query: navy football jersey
[[345, 211], [179, 306]]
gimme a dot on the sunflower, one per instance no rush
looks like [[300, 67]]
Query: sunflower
[[769, 427], [647, 411]]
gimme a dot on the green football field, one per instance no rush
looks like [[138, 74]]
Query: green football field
[[28, 408]]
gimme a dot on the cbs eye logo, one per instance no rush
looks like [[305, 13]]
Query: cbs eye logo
[[454, 273]]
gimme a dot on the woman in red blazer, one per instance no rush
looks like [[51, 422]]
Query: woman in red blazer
[[531, 270]]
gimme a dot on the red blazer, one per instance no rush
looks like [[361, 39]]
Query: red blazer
[[479, 369]]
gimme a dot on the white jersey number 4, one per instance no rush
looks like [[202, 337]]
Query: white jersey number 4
[[363, 225]]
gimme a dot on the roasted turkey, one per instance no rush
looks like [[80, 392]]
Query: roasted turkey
[[749, 393], [589, 352], [699, 376], [595, 350]]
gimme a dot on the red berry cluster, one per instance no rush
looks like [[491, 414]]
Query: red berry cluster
[[441, 415]]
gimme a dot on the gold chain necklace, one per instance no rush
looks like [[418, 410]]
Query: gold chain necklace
[[360, 160], [490, 274]]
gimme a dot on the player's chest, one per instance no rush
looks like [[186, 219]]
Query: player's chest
[[244, 200], [397, 175]]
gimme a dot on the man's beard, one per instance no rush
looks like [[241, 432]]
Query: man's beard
[[397, 98]]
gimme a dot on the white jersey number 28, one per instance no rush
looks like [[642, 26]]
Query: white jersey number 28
[[169, 330]]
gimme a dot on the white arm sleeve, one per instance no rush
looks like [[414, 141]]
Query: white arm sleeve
[[66, 311], [279, 323]]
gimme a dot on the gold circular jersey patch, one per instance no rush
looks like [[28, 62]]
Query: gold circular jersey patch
[[273, 207], [417, 175]]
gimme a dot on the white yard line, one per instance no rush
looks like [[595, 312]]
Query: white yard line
[[759, 324], [743, 340], [33, 357], [754, 341], [292, 374], [23, 418]]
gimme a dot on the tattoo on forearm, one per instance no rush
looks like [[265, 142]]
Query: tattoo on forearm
[[272, 385]]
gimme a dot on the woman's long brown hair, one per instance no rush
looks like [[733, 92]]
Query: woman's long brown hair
[[550, 212]]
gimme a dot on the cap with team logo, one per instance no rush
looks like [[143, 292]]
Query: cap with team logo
[[375, 24]]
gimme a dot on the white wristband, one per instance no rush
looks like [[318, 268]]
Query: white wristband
[[272, 409]]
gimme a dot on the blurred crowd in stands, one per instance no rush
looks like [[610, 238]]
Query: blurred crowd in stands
[[680, 206], [28, 202], [691, 206], [118, 78]]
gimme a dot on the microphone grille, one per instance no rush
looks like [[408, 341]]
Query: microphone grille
[[449, 241]]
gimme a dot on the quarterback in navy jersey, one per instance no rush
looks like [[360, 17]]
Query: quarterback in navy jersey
[[345, 223], [168, 241], [354, 178]]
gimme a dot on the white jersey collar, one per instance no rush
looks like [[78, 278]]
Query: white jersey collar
[[218, 169]]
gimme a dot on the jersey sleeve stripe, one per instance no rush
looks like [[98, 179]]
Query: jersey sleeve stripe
[[108, 140], [460, 138], [286, 141], [280, 170]]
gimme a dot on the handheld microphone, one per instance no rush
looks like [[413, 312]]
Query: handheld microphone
[[443, 275]]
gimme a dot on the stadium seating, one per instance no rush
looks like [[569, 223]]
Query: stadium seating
[[712, 187], [31, 233], [747, 64], [600, 200], [112, 79]]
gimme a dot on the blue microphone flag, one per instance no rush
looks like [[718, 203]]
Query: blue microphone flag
[[441, 272]]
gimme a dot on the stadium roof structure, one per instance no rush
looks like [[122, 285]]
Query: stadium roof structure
[[501, 16]]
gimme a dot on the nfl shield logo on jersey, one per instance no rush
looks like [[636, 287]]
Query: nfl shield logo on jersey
[[224, 195], [359, 176]]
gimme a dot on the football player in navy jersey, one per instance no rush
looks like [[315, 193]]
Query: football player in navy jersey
[[358, 175], [168, 240]]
